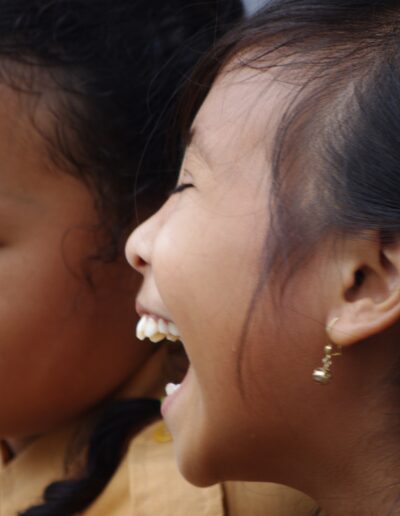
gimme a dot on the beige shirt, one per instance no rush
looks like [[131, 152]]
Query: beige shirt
[[147, 482]]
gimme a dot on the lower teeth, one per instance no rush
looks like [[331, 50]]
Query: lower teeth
[[170, 388]]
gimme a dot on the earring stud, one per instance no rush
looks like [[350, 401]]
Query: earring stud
[[323, 374]]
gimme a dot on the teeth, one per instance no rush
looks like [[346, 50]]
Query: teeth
[[156, 329], [162, 327], [140, 328], [173, 330], [170, 388], [151, 327], [158, 337]]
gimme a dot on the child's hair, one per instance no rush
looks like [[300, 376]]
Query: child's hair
[[337, 150], [115, 69], [111, 71]]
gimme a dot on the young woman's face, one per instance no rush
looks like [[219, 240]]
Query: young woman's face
[[64, 345], [201, 257]]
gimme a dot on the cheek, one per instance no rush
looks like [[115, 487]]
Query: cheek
[[71, 345], [207, 264], [37, 285]]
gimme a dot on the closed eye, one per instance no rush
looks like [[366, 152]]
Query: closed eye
[[181, 187]]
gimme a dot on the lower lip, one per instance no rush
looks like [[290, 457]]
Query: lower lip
[[170, 400]]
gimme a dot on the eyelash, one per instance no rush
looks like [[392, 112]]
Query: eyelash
[[180, 188]]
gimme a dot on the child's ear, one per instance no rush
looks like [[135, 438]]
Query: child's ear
[[368, 300]]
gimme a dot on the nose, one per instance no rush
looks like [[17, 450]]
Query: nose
[[138, 249]]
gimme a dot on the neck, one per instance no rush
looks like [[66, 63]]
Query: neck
[[357, 471], [346, 455], [372, 489], [350, 485]]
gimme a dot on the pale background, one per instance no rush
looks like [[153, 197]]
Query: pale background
[[253, 5]]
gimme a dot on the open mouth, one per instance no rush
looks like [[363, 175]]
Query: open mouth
[[157, 329]]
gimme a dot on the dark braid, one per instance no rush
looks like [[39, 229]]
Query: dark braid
[[120, 421]]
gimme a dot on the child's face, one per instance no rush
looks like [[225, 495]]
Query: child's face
[[201, 256], [63, 345]]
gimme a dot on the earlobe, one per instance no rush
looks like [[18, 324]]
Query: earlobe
[[370, 303]]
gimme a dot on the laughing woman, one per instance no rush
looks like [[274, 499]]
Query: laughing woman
[[277, 256]]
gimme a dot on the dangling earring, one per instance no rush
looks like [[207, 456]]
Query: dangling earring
[[323, 374]]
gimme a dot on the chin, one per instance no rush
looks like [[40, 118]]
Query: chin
[[195, 468], [197, 476]]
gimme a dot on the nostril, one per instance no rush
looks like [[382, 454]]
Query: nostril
[[138, 262]]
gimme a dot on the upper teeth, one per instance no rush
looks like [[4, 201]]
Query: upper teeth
[[156, 329]]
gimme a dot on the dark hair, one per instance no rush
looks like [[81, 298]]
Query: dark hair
[[116, 69], [113, 70], [339, 137]]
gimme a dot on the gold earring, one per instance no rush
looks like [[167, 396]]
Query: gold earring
[[323, 374]]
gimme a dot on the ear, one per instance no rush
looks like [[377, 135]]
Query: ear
[[368, 298]]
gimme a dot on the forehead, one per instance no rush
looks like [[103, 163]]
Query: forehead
[[241, 114], [26, 128], [28, 176]]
